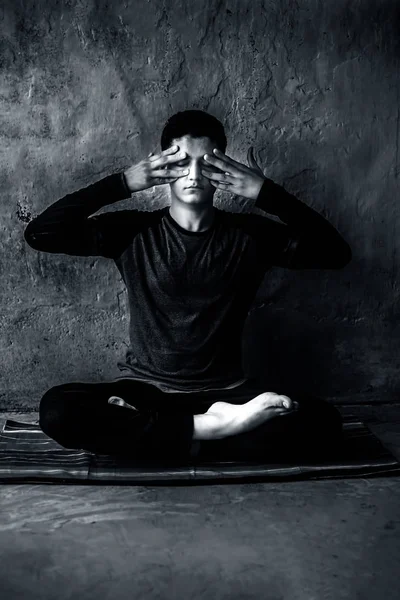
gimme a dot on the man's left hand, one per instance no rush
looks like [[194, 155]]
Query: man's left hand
[[233, 176]]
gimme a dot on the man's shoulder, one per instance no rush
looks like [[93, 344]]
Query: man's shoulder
[[249, 222], [129, 217], [115, 230]]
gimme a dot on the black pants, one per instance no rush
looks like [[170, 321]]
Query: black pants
[[78, 415]]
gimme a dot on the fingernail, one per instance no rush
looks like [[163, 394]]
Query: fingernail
[[206, 156]]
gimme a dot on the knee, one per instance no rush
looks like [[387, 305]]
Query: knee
[[53, 417], [325, 417], [330, 416], [336, 417]]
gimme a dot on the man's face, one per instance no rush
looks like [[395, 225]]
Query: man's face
[[193, 188]]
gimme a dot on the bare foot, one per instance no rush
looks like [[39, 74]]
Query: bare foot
[[223, 419]]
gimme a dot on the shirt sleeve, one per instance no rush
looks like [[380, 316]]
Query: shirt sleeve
[[305, 239], [67, 227]]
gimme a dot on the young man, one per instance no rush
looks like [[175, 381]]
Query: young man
[[191, 272]]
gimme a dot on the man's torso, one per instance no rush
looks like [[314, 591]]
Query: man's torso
[[189, 295]]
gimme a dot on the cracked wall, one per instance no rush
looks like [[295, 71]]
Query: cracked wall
[[314, 86]]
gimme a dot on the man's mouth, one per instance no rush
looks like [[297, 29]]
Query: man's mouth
[[194, 187]]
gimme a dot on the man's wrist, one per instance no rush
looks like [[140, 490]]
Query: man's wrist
[[266, 195], [257, 188], [126, 183]]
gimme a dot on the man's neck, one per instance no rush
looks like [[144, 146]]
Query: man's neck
[[192, 218]]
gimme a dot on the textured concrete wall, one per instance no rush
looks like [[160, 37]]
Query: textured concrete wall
[[86, 87]]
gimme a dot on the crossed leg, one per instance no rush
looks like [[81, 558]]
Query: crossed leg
[[237, 423]]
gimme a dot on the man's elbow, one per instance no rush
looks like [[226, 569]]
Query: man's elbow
[[30, 235], [343, 257], [333, 256]]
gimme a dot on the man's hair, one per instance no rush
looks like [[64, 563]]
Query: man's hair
[[195, 123]]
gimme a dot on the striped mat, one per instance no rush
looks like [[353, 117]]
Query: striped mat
[[28, 455]]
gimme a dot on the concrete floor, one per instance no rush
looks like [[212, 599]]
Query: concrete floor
[[315, 540]]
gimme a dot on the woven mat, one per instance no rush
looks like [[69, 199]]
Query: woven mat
[[28, 455]]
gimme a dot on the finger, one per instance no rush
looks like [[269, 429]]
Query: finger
[[153, 156], [220, 185], [223, 165], [252, 161], [230, 161], [250, 157], [166, 160], [215, 162], [208, 168], [164, 173], [164, 181], [169, 151], [214, 176]]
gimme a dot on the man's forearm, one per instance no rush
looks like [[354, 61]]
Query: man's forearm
[[64, 226], [319, 244]]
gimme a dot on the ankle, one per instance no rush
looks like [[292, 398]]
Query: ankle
[[207, 427]]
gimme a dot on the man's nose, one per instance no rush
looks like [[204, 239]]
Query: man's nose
[[195, 172]]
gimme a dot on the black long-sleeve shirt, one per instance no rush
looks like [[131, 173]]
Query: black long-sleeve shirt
[[189, 292]]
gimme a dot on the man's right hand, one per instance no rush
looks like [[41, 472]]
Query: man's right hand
[[156, 169]]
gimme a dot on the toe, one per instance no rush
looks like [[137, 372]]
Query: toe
[[285, 402], [288, 407], [269, 400]]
